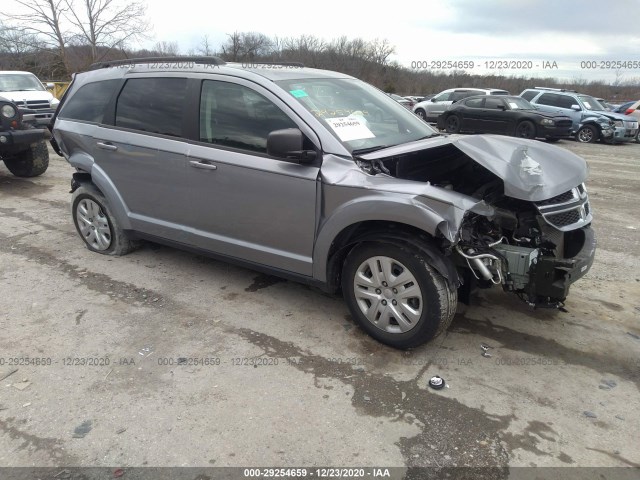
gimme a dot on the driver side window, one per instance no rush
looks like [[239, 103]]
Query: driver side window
[[237, 117]]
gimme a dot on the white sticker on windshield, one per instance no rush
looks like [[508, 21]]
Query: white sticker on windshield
[[587, 104], [349, 128], [513, 105]]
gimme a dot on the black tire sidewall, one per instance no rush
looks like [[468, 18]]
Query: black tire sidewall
[[593, 129], [431, 319], [458, 122], [101, 201], [531, 129]]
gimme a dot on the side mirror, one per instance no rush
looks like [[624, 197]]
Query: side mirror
[[502, 107], [287, 144], [575, 107], [433, 99]]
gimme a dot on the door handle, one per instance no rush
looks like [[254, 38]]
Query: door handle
[[107, 146], [202, 164]]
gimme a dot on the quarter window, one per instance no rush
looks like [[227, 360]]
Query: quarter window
[[153, 105], [529, 95], [89, 102], [235, 116]]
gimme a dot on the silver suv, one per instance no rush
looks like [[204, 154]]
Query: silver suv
[[429, 110], [285, 169]]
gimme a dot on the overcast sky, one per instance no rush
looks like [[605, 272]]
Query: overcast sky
[[562, 31]]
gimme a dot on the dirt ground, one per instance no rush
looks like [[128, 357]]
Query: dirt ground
[[165, 358]]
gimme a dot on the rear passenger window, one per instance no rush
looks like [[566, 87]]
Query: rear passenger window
[[529, 95], [153, 105], [89, 102], [474, 102], [235, 116]]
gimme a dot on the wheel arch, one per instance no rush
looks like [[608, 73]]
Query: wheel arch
[[101, 181], [385, 231]]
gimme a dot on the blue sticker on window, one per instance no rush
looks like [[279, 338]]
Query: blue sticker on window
[[298, 93]]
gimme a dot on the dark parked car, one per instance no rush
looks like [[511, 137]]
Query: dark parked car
[[505, 115]]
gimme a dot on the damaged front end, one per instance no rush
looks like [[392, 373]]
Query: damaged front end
[[535, 238]]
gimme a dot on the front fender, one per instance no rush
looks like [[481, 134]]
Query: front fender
[[408, 209]]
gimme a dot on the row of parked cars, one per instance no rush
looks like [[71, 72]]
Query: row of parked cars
[[537, 112]]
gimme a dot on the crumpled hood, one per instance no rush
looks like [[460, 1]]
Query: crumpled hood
[[531, 170], [617, 116]]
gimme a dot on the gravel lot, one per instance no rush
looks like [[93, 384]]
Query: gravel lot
[[273, 373]]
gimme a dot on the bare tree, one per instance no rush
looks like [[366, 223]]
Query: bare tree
[[166, 49], [105, 25], [204, 47], [43, 19]]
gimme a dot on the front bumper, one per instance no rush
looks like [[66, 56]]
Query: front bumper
[[40, 117], [550, 277], [619, 134], [554, 132], [15, 138]]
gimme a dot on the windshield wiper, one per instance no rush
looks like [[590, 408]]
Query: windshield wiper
[[360, 151]]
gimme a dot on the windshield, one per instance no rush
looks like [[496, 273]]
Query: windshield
[[19, 82], [517, 103], [591, 103], [359, 115]]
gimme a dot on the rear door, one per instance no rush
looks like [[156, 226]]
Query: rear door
[[143, 153]]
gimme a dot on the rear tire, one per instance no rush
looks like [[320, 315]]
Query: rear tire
[[452, 124], [422, 114], [424, 305], [31, 162], [96, 224]]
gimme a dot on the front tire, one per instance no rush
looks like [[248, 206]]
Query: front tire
[[31, 162], [395, 295], [96, 224], [587, 134], [526, 129]]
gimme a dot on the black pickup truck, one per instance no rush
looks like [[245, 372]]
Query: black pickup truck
[[23, 146]]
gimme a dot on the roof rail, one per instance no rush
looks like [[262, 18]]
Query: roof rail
[[555, 89], [286, 64], [131, 61]]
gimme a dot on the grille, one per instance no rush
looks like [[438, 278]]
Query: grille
[[567, 211], [38, 104], [562, 198], [564, 219]]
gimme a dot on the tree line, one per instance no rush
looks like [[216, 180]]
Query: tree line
[[54, 38]]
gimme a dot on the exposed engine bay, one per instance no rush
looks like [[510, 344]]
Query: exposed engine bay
[[535, 249]]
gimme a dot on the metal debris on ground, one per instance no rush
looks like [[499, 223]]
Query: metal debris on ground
[[22, 385], [484, 348], [589, 414]]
